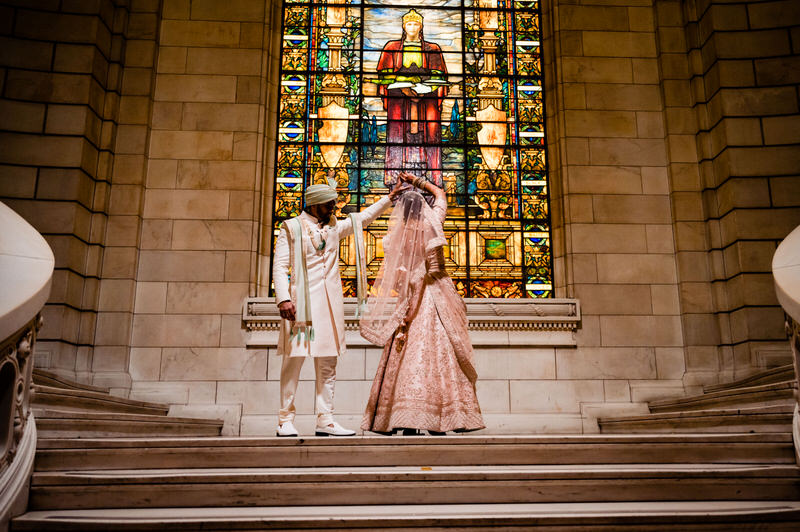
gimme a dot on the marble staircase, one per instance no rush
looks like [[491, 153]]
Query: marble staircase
[[643, 482], [697, 480], [237, 483], [721, 516], [769, 376], [763, 402], [66, 409]]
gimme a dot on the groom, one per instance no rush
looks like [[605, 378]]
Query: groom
[[311, 303]]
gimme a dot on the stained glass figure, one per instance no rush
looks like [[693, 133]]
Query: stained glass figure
[[412, 84], [447, 89]]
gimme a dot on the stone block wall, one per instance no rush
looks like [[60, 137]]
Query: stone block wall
[[734, 181], [123, 234], [62, 66], [138, 136], [743, 64], [608, 172], [701, 331], [200, 209], [517, 390]]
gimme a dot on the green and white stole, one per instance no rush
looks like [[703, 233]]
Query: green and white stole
[[302, 321], [361, 265]]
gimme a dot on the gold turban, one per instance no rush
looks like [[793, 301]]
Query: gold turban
[[412, 16], [316, 194]]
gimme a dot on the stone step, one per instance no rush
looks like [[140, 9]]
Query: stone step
[[85, 400], [759, 419], [434, 484], [587, 516], [780, 393], [770, 376], [54, 380], [132, 453], [59, 424]]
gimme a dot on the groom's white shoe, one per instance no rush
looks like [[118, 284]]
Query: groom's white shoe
[[333, 429], [286, 430]]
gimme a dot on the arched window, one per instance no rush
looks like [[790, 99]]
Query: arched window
[[449, 89]]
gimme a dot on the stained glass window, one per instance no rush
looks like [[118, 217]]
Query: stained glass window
[[449, 89]]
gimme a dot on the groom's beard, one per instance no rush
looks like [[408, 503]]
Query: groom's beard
[[322, 216]]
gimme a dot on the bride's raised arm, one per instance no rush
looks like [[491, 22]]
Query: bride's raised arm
[[423, 184], [440, 205]]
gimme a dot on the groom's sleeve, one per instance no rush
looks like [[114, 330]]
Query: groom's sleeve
[[280, 266], [367, 216]]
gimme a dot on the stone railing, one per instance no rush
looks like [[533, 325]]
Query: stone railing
[[26, 271], [786, 271], [492, 322]]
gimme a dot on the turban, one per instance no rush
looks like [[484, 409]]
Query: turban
[[316, 194]]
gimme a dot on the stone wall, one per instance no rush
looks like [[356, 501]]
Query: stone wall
[[139, 138], [608, 168], [61, 147], [129, 135], [701, 331], [200, 210], [744, 73]]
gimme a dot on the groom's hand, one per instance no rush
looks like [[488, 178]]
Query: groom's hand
[[286, 309], [405, 177], [398, 189]]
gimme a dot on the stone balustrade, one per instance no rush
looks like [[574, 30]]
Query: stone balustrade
[[26, 270], [786, 271]]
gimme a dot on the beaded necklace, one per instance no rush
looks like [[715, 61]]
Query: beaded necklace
[[318, 239]]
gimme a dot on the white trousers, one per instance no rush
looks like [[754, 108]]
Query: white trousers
[[325, 368]]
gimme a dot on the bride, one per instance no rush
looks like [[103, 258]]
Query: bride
[[426, 375]]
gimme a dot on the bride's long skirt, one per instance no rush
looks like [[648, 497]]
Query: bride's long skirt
[[420, 383]]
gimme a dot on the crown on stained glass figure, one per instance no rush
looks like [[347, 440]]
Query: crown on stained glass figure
[[412, 16]]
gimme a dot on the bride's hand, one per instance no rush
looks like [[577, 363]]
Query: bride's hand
[[406, 177]]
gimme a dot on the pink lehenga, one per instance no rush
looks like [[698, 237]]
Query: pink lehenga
[[426, 375]]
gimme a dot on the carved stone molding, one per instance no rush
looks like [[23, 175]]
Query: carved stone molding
[[786, 275], [15, 479], [793, 331], [27, 273], [16, 366], [17, 429], [492, 322]]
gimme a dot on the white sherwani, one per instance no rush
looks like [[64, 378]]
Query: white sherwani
[[324, 284]]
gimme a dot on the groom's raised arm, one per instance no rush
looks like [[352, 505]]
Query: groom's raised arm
[[367, 216]]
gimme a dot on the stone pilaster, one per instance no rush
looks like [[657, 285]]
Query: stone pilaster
[[61, 64], [123, 158], [701, 330], [743, 64], [201, 203], [608, 171]]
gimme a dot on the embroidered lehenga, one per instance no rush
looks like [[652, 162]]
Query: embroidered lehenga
[[426, 375]]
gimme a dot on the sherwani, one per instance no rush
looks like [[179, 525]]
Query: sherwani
[[327, 307]]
